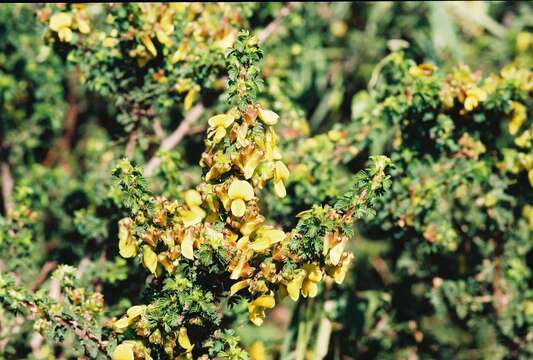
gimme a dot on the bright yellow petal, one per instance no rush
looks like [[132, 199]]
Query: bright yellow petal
[[294, 286], [149, 259], [238, 286], [238, 207], [281, 172], [126, 244], [279, 188], [135, 311], [183, 340], [265, 301], [65, 34], [220, 132], [83, 26], [121, 324], [313, 272], [193, 216], [123, 351], [187, 246], [257, 351], [193, 197], [251, 164], [269, 117], [309, 289], [189, 99], [223, 120], [336, 252], [60, 20], [241, 189], [256, 314], [149, 45]]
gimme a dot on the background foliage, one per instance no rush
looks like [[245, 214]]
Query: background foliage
[[442, 264]]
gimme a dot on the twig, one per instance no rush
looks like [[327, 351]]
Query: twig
[[7, 186], [43, 274], [171, 141], [65, 143], [130, 147], [194, 114], [274, 25], [70, 324]]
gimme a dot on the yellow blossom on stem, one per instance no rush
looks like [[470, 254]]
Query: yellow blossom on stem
[[61, 23], [518, 118], [239, 192], [124, 351], [195, 214], [126, 244], [218, 125], [256, 309], [269, 117], [265, 238], [474, 96], [281, 173]]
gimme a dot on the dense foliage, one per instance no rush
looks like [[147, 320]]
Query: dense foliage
[[292, 181]]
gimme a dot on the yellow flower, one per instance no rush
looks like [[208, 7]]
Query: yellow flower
[[195, 214], [190, 98], [244, 255], [295, 285], [257, 351], [219, 124], [83, 25], [61, 23], [183, 340], [422, 70], [126, 244], [251, 225], [109, 42], [187, 246], [250, 162], [149, 259], [124, 351], [313, 277], [338, 273], [281, 173], [238, 286], [265, 238], [338, 28], [518, 118], [135, 311], [165, 28], [149, 45], [524, 41], [256, 310], [270, 146], [474, 96], [269, 117], [239, 192], [306, 281], [121, 324]]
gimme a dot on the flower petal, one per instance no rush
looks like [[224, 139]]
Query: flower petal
[[123, 351], [238, 286], [222, 120], [149, 259], [241, 189], [238, 207], [187, 246], [60, 20], [269, 117]]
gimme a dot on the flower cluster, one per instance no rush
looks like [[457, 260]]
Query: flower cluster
[[219, 233]]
